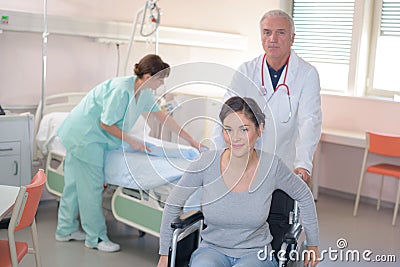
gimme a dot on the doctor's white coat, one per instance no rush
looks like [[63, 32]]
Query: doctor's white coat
[[295, 141]]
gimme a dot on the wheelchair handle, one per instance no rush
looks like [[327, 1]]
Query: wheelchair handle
[[187, 219]]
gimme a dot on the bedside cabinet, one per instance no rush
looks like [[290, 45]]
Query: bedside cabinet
[[16, 149]]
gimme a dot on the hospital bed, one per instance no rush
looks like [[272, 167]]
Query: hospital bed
[[138, 201]]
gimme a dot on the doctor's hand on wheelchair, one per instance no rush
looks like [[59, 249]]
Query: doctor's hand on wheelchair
[[312, 256], [303, 173]]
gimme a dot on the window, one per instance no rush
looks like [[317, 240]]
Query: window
[[353, 44], [323, 38], [383, 73]]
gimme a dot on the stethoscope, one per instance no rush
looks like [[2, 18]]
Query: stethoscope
[[263, 90]]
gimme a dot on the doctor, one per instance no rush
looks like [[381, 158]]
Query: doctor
[[95, 125], [286, 87]]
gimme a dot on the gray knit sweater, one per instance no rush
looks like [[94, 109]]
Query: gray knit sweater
[[237, 222]]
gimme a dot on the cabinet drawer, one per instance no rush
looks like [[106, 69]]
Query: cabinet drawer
[[10, 148]]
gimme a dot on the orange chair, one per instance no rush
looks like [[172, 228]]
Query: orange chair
[[386, 145], [23, 216]]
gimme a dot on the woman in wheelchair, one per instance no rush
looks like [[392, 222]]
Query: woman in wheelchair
[[237, 184]]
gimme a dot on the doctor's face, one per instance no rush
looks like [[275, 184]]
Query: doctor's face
[[276, 38]]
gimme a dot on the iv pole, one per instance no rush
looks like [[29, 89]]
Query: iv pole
[[44, 56], [151, 5]]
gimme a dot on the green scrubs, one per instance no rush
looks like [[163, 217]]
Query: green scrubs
[[112, 102]]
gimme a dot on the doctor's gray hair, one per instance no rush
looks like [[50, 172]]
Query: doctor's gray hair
[[278, 13], [246, 105]]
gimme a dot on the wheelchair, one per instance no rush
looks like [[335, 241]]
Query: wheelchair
[[283, 222]]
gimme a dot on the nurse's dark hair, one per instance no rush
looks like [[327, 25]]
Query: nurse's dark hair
[[247, 106], [151, 64]]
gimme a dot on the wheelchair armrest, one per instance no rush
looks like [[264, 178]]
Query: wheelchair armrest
[[293, 234], [187, 219]]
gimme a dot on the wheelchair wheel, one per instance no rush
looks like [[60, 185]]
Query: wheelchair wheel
[[300, 262]]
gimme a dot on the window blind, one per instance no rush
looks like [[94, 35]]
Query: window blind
[[390, 18], [323, 30]]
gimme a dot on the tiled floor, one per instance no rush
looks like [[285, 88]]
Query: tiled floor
[[370, 230]]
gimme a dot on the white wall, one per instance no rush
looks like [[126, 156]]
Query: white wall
[[79, 63], [340, 166], [361, 114]]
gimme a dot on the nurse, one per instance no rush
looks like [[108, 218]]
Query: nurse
[[285, 85], [97, 124]]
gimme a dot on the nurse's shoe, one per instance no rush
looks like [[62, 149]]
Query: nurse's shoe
[[105, 246], [78, 235]]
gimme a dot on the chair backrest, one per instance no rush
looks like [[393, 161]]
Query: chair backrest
[[282, 205], [383, 144], [32, 195]]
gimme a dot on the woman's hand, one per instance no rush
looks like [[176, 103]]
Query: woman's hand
[[312, 256], [116, 132], [199, 146], [137, 145], [163, 261], [172, 125]]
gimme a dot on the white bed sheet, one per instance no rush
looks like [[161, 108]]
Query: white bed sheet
[[124, 167], [143, 171]]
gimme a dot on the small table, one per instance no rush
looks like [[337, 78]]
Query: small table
[[8, 195]]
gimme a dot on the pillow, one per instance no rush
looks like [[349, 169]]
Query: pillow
[[47, 131]]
